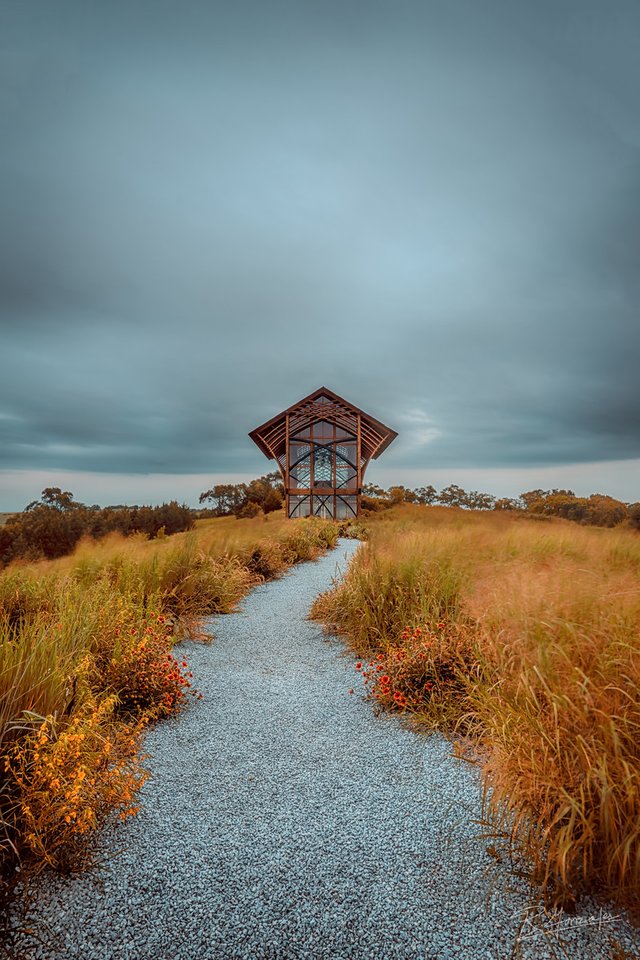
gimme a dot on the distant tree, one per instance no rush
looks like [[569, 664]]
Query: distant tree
[[597, 510], [480, 501], [274, 480], [532, 496], [226, 497], [264, 494], [374, 491], [536, 497], [249, 509], [55, 497], [508, 503], [634, 516], [7, 540], [427, 494], [374, 504], [453, 496], [400, 494], [604, 511], [558, 504], [49, 527], [273, 500], [52, 526], [169, 517]]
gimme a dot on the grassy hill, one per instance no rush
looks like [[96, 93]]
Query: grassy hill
[[520, 637], [86, 664]]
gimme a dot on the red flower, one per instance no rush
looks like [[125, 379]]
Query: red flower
[[359, 665]]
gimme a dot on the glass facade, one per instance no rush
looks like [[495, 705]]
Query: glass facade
[[300, 465], [328, 506], [323, 457], [346, 507], [322, 446], [299, 506]]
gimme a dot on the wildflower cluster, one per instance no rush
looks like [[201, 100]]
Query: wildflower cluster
[[427, 670], [146, 676], [69, 778]]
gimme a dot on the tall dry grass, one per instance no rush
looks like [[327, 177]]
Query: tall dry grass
[[528, 641], [85, 663]]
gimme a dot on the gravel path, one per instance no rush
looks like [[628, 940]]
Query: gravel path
[[284, 820]]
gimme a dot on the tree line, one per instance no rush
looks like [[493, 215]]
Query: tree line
[[598, 509], [52, 526], [267, 493], [263, 495]]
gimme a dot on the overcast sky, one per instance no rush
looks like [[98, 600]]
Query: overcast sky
[[207, 210]]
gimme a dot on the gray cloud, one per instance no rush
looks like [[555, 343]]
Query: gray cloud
[[210, 209]]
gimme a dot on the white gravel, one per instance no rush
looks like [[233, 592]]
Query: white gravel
[[284, 820]]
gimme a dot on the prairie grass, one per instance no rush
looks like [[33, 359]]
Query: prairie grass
[[86, 664], [524, 638]]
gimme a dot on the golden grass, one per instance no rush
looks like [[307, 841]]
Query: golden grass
[[68, 627], [550, 613]]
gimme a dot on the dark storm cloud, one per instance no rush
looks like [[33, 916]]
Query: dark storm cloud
[[210, 209]]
